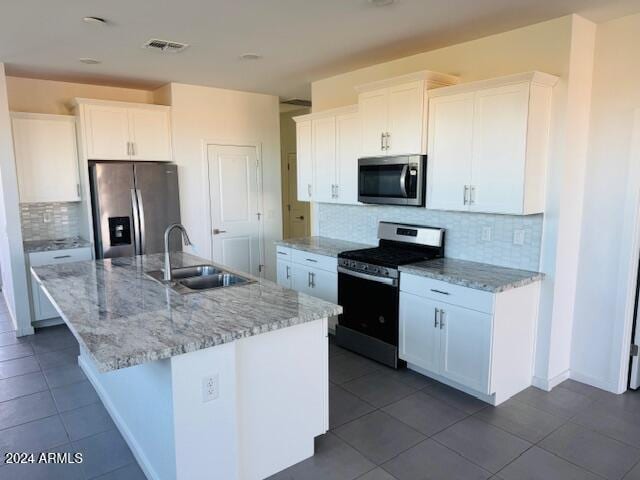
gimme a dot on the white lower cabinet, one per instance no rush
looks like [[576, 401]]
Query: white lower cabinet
[[476, 341], [42, 307], [309, 273]]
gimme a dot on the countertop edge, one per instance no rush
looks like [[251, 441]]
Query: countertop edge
[[460, 281]]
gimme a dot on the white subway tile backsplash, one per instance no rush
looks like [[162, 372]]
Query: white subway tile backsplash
[[463, 237]]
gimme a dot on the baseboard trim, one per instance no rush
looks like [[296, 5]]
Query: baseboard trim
[[549, 384], [119, 422], [596, 382]]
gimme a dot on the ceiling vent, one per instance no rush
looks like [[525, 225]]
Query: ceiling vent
[[297, 101], [165, 45]]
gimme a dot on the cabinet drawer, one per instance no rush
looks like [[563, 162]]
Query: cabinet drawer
[[322, 262], [283, 253], [446, 292], [60, 256]]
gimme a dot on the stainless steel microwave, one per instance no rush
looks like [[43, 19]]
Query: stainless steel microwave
[[392, 180]]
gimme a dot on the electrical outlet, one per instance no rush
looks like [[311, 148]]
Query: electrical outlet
[[518, 237], [486, 234], [210, 388]]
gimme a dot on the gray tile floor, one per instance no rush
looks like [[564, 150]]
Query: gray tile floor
[[47, 404], [389, 425], [385, 424]]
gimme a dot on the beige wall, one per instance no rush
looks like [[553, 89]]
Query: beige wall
[[561, 47], [47, 96], [287, 146], [203, 114], [600, 344], [543, 46]]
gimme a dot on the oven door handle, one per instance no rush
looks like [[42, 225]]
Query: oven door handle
[[365, 276], [403, 180]]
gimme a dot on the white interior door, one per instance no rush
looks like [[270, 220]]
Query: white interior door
[[234, 189]]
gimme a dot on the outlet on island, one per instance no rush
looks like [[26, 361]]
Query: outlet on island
[[210, 388]]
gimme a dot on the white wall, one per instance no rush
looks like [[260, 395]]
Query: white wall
[[14, 275], [599, 340], [202, 114]]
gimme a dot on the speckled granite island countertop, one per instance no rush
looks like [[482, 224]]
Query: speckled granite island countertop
[[330, 247], [31, 246], [480, 276], [124, 318]]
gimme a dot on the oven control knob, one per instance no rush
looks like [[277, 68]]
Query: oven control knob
[[364, 267], [375, 270]]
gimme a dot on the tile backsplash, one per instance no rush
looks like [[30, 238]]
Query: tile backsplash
[[47, 221], [464, 231]]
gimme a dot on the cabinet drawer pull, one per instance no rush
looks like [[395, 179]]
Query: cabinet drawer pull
[[311, 260], [61, 256], [440, 291], [283, 253]]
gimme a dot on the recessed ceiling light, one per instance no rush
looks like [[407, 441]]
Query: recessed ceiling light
[[89, 61], [380, 3], [94, 20], [250, 56]]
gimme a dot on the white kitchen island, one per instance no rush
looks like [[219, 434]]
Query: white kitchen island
[[229, 383]]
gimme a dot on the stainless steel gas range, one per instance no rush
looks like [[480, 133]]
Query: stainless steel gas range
[[369, 290]]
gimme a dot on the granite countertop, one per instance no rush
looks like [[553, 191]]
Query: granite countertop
[[330, 247], [480, 276], [31, 246], [123, 318]]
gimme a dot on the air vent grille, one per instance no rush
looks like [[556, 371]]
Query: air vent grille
[[297, 101], [165, 45]]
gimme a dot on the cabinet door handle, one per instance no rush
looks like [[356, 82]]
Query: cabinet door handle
[[313, 279], [61, 256], [78, 188], [442, 313], [435, 318], [381, 140], [387, 143], [465, 195], [337, 192], [311, 260], [472, 195], [441, 292], [129, 148], [288, 272], [309, 189]]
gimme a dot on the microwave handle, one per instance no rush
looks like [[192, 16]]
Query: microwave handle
[[403, 180]]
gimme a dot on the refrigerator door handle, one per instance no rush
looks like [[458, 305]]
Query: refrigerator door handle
[[136, 222], [141, 232]]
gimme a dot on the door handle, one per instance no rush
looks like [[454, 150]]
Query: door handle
[[218, 232], [435, 318], [301, 217]]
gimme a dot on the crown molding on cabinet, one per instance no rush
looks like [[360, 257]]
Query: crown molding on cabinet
[[535, 77], [76, 102], [327, 113], [432, 79]]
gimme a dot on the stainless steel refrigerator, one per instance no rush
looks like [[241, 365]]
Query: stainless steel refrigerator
[[133, 203]]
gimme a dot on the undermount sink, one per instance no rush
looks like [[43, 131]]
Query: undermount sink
[[213, 281], [199, 277], [195, 271]]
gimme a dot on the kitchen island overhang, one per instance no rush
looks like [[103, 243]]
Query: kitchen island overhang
[[229, 383]]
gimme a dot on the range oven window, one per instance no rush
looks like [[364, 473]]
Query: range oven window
[[382, 180]]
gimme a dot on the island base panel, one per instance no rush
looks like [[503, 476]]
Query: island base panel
[[272, 402]]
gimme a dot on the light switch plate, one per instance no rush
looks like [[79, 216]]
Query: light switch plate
[[518, 237], [486, 234]]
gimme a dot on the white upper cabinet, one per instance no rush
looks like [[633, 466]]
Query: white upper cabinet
[[46, 157], [393, 113], [328, 146], [488, 145], [324, 158], [304, 160], [150, 133], [451, 142], [125, 131]]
